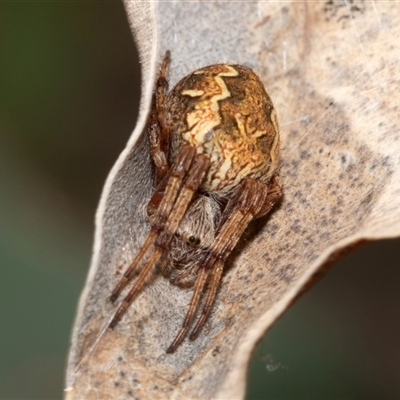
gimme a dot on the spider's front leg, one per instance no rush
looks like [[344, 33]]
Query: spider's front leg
[[253, 199], [190, 169], [159, 127]]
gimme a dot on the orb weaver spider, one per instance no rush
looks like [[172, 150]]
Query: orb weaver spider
[[214, 141]]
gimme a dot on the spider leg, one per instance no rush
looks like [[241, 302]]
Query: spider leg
[[181, 166], [211, 295], [194, 302], [275, 192], [250, 199], [159, 129], [255, 206], [166, 227], [245, 206]]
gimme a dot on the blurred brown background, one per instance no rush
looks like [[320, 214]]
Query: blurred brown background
[[69, 89]]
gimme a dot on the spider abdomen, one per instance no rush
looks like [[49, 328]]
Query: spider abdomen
[[224, 112]]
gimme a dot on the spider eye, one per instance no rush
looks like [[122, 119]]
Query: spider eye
[[193, 241]]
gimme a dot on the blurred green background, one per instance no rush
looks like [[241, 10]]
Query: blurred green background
[[69, 88]]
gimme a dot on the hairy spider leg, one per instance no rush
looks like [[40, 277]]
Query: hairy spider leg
[[164, 207], [197, 290], [193, 180], [275, 192], [253, 199], [216, 274], [159, 127], [245, 210], [242, 208], [259, 205]]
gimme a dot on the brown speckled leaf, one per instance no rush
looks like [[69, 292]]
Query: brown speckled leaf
[[332, 71]]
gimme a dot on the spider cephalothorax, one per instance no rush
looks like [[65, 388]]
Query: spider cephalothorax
[[214, 141], [194, 237]]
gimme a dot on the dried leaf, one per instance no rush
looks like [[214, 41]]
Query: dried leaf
[[331, 68]]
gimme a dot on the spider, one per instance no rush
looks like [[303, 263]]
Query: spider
[[214, 141]]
